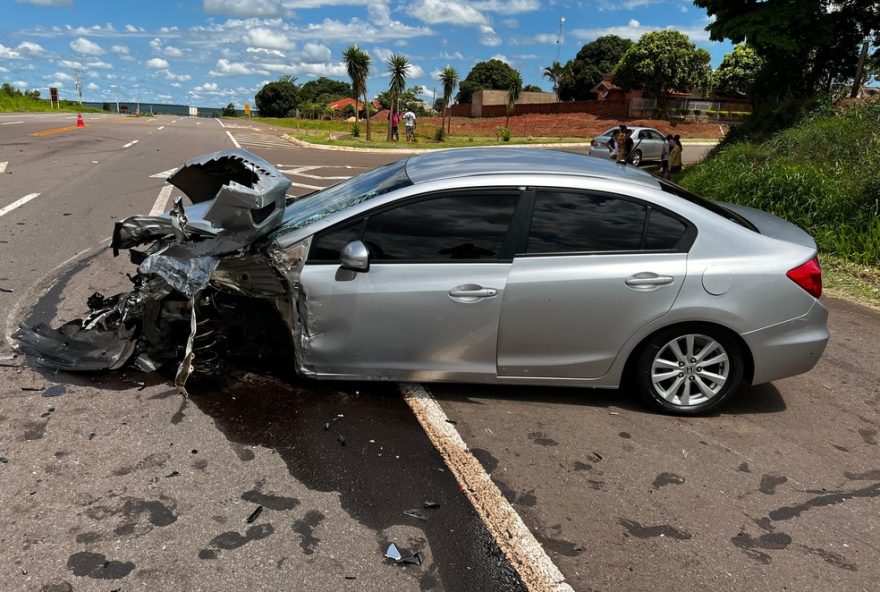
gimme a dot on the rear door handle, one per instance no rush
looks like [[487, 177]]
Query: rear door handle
[[648, 279], [471, 293]]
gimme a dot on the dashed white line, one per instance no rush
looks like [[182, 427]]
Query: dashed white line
[[295, 185], [161, 127], [3, 166], [220, 122], [234, 141], [11, 122], [18, 203], [162, 200], [132, 143], [523, 551]]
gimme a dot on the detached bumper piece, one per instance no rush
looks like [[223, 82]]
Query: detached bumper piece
[[238, 199]]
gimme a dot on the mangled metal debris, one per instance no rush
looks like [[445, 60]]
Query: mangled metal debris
[[196, 265], [394, 554]]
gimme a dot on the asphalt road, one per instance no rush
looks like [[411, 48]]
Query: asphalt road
[[119, 483]]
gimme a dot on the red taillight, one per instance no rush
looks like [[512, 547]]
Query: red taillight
[[808, 276]]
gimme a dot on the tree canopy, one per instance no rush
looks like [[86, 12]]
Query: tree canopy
[[324, 90], [807, 46], [491, 74], [737, 73], [532, 88], [279, 98], [593, 62], [663, 61]]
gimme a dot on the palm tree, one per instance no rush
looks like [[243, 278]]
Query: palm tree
[[555, 73], [449, 79], [516, 84], [398, 69], [357, 63]]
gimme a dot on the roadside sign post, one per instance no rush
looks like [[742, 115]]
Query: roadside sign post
[[53, 97], [247, 109]]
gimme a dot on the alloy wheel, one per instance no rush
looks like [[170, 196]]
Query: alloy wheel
[[690, 370]]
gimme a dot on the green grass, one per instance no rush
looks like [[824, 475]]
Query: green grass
[[823, 174], [27, 105], [319, 132]]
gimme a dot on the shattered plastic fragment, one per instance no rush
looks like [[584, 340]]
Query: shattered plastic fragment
[[55, 391], [7, 290], [32, 388], [254, 515], [393, 552], [414, 559], [431, 505], [418, 514]]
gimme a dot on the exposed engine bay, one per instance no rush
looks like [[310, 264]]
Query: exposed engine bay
[[210, 289]]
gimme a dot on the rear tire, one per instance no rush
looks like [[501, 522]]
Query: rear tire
[[689, 369]]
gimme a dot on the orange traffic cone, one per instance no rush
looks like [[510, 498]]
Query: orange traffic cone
[[79, 120]]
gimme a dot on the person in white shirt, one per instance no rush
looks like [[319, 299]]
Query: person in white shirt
[[409, 119]]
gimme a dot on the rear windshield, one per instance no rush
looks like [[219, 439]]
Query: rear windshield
[[710, 205], [317, 206]]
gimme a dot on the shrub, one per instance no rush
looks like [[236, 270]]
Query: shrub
[[439, 134], [502, 133], [356, 129]]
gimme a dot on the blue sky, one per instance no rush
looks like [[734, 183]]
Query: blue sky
[[215, 52]]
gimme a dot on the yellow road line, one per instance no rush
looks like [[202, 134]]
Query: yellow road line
[[52, 132]]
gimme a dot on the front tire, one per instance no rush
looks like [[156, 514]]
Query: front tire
[[688, 370], [636, 158]]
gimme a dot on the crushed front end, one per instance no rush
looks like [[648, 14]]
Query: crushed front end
[[210, 287]]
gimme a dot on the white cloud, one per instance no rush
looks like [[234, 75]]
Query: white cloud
[[455, 55], [208, 87], [48, 3], [488, 37], [92, 74], [2, 69], [156, 44], [315, 53], [30, 48], [8, 53], [545, 38], [169, 75], [99, 64], [415, 71], [92, 86], [634, 23], [256, 51], [507, 6], [172, 52], [226, 68], [133, 29], [157, 63], [451, 12], [72, 64], [59, 76], [86, 47], [510, 23], [120, 50], [262, 37], [634, 30], [382, 53], [244, 8], [501, 58]]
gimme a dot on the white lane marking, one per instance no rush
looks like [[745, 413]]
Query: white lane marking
[[161, 127], [295, 185], [234, 141], [307, 176], [3, 166], [164, 174], [11, 122], [522, 550], [198, 123], [220, 122], [162, 200], [132, 143], [18, 203]]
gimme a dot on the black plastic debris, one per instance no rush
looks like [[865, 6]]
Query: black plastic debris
[[3, 460], [254, 515], [138, 383], [431, 505], [417, 514], [395, 555], [23, 571], [452, 421], [91, 435], [7, 290], [350, 577], [55, 391], [327, 427], [341, 439], [172, 474], [32, 388]]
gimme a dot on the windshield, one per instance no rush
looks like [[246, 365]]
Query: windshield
[[706, 203], [363, 187]]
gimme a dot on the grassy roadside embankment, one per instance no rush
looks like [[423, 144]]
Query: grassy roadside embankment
[[22, 104], [823, 174]]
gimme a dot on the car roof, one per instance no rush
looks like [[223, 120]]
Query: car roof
[[469, 162]]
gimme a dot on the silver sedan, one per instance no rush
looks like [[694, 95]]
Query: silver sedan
[[506, 266], [647, 145]]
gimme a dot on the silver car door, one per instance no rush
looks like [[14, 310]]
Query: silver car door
[[429, 306], [591, 275]]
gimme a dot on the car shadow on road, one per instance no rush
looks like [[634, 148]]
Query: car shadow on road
[[764, 398]]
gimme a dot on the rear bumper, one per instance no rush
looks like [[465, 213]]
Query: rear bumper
[[789, 348]]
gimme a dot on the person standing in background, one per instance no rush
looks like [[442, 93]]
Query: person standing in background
[[675, 156]]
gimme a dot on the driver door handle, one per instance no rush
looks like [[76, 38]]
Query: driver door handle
[[647, 279], [471, 293]]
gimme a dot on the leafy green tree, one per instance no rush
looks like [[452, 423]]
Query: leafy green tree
[[491, 74], [278, 99], [449, 80], [806, 46], [555, 72], [737, 73], [532, 88], [593, 62], [228, 111], [315, 91], [398, 69], [357, 63], [513, 92], [663, 61]]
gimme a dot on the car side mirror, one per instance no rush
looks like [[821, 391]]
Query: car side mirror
[[355, 257]]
